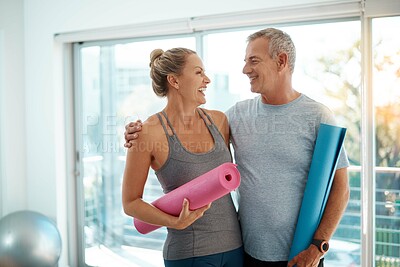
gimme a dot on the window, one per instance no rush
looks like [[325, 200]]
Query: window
[[113, 87], [386, 89], [327, 70]]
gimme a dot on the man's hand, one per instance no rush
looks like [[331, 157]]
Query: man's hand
[[131, 132], [307, 258]]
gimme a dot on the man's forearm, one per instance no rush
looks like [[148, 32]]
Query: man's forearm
[[335, 207]]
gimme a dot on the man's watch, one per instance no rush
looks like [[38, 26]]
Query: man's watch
[[322, 245]]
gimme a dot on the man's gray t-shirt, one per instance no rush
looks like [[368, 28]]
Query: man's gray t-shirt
[[273, 147]]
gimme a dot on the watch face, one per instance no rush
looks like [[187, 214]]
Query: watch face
[[324, 246]]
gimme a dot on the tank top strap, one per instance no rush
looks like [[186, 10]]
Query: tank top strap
[[201, 112], [163, 124], [169, 123]]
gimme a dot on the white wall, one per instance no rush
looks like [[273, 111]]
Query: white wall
[[12, 108]]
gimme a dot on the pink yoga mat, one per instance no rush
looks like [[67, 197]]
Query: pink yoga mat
[[200, 191]]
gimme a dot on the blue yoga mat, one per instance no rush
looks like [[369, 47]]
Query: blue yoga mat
[[320, 177]]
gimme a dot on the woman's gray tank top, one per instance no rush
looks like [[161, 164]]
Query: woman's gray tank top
[[218, 230]]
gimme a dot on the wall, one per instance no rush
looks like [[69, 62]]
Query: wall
[[12, 108]]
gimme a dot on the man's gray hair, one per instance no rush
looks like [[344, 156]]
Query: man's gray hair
[[279, 42]]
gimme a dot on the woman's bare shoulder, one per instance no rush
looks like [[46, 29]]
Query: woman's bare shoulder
[[151, 129]]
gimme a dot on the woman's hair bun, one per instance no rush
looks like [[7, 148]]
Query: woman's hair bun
[[156, 53]]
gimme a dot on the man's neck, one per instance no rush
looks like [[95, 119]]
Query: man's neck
[[280, 98]]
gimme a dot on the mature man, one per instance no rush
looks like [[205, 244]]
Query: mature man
[[273, 136]]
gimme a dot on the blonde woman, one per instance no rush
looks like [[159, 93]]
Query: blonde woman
[[180, 143]]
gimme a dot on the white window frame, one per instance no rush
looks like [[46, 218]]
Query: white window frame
[[370, 9]]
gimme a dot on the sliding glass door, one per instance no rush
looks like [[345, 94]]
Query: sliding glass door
[[386, 89], [328, 69], [113, 89]]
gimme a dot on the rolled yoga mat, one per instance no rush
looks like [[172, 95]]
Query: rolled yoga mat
[[320, 177], [200, 191]]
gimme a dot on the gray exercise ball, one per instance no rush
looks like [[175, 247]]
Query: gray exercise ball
[[29, 239]]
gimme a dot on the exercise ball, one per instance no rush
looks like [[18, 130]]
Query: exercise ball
[[29, 239]]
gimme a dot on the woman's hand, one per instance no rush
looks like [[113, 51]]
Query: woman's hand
[[187, 217]]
